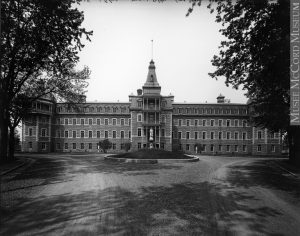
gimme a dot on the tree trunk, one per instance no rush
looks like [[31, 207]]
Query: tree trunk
[[3, 127], [294, 145], [11, 146]]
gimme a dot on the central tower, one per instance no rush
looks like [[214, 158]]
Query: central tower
[[151, 115]]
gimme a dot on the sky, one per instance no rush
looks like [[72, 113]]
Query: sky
[[120, 50]]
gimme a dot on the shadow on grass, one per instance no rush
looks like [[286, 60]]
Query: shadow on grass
[[180, 209], [264, 173]]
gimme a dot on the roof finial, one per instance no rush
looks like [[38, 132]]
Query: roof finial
[[152, 49]]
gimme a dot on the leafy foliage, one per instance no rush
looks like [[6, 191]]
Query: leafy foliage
[[127, 146], [105, 145], [255, 55], [40, 40]]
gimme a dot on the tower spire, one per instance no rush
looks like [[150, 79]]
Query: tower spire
[[152, 49]]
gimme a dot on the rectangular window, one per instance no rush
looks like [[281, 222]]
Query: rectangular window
[[228, 135], [244, 123], [139, 117], [227, 123], [196, 135], [114, 146], [74, 121], [82, 121], [204, 148], [187, 135], [227, 148], [211, 147], [106, 134], [66, 134], [273, 149], [90, 146], [187, 147], [203, 135], [179, 135], [58, 133], [139, 132], [139, 145], [90, 134], [66, 146], [220, 148], [82, 134], [122, 134], [98, 121], [212, 134], [114, 121], [244, 148], [220, 123], [74, 134], [66, 121], [114, 134], [259, 148], [129, 134], [43, 132], [235, 148], [179, 122], [90, 121], [82, 146], [204, 122], [244, 135], [43, 146], [259, 135], [30, 145], [236, 135], [196, 122], [74, 145], [236, 123], [220, 135], [106, 121], [187, 122], [30, 131], [98, 134], [212, 122], [122, 122]]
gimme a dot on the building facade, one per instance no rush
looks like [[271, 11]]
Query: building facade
[[148, 120]]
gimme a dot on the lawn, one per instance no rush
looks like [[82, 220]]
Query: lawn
[[152, 154]]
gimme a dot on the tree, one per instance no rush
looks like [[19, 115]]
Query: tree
[[105, 144], [127, 146], [39, 46], [255, 56]]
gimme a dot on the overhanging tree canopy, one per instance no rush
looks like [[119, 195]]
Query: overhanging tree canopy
[[255, 56], [38, 37]]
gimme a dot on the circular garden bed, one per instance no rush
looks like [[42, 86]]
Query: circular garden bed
[[150, 156]]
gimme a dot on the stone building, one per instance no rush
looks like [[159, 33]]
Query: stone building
[[148, 120]]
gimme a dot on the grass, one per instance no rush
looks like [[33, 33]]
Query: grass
[[152, 154]]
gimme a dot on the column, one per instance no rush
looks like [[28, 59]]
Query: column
[[159, 132]]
